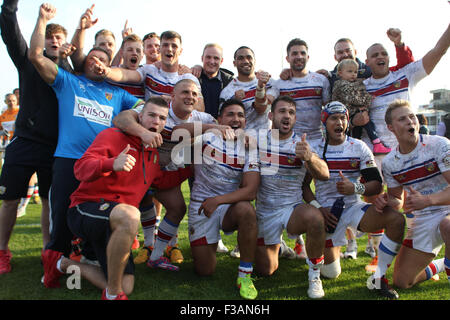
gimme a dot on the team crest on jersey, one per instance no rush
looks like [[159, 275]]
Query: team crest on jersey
[[401, 177], [104, 206], [291, 159], [108, 96], [353, 163], [362, 71], [2, 189], [430, 167], [397, 84], [318, 91]]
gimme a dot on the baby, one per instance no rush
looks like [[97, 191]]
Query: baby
[[352, 93]]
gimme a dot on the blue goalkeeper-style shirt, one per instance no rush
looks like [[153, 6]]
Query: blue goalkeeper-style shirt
[[85, 108]]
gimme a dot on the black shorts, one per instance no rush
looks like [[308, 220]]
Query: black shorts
[[90, 222], [24, 157]]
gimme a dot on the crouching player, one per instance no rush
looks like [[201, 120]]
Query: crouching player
[[348, 160], [115, 173], [420, 165], [285, 158]]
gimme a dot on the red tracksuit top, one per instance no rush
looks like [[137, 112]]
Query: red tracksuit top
[[99, 182]]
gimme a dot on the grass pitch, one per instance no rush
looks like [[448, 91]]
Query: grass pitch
[[290, 282]]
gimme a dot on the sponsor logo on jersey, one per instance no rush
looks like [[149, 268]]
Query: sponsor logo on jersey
[[93, 111]]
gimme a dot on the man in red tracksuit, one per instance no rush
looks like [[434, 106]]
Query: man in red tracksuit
[[115, 173]]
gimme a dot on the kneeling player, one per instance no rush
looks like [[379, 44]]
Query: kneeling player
[[279, 206], [225, 182], [421, 166], [348, 159]]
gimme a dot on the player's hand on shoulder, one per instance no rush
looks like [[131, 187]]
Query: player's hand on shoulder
[[182, 69], [324, 72], [197, 71]]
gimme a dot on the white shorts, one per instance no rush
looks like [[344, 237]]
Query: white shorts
[[272, 224], [204, 230], [423, 232], [349, 218]]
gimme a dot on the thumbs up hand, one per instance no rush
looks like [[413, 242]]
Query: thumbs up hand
[[302, 149], [345, 186], [124, 161], [415, 200]]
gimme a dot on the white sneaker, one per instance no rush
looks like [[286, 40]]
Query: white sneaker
[[286, 252], [315, 290], [21, 211], [352, 250], [235, 253], [221, 248], [350, 254], [370, 251]]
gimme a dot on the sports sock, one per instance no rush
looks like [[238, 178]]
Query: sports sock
[[108, 296], [300, 240], [314, 267], [24, 201], [36, 190], [435, 267], [375, 239], [447, 267], [351, 245], [166, 231], [148, 222], [174, 241], [388, 249], [245, 268], [58, 265]]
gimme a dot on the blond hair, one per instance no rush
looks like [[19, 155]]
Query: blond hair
[[395, 105], [212, 45], [104, 32], [347, 62]]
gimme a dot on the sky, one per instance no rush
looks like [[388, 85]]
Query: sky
[[265, 26]]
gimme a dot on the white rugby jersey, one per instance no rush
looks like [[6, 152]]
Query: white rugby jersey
[[310, 93], [282, 174], [158, 82], [252, 119], [222, 166], [136, 90], [350, 157], [396, 85], [420, 169], [165, 150]]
